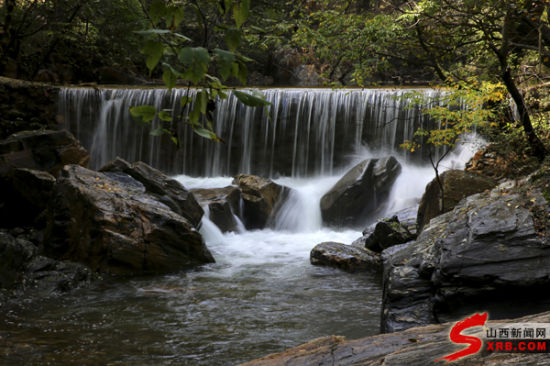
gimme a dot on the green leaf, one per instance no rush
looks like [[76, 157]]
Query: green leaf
[[165, 116], [179, 35], [185, 101], [233, 38], [178, 16], [157, 132], [250, 99], [240, 12], [153, 31], [202, 99], [196, 61], [169, 77], [157, 10], [203, 132], [145, 112], [153, 50], [224, 59], [242, 75]]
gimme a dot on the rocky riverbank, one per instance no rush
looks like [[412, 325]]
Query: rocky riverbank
[[419, 346]]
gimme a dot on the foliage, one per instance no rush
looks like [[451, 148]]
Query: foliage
[[464, 107], [189, 61]]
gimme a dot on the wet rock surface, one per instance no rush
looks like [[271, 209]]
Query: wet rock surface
[[457, 184], [387, 233], [25, 272], [347, 257], [360, 193], [112, 224], [418, 346], [223, 204], [261, 199], [490, 245], [164, 189]]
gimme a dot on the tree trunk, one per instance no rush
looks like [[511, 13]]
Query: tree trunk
[[537, 147]]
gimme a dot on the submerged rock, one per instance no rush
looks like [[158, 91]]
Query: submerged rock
[[41, 150], [346, 257], [419, 346], [261, 199], [457, 184], [166, 190], [360, 193], [111, 223], [223, 204], [489, 246], [24, 271]]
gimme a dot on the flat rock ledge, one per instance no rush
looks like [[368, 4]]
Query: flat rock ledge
[[418, 346], [346, 257]]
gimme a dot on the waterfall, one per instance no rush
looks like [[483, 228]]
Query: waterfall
[[304, 132]]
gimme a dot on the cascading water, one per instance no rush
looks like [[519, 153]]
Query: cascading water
[[304, 132], [261, 295]]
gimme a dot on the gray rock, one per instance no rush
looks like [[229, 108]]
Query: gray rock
[[41, 150], [488, 246], [457, 184], [261, 199], [387, 233], [167, 190], [109, 222], [223, 204], [416, 347], [346, 257], [360, 193], [14, 254]]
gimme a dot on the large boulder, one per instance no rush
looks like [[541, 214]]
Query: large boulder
[[41, 150], [500, 161], [457, 184], [387, 233], [223, 205], [261, 199], [490, 245], [360, 193], [165, 189], [346, 257], [419, 346], [111, 223]]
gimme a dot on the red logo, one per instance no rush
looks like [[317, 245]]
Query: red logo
[[475, 344]]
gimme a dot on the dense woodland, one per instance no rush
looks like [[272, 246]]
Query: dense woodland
[[492, 49]]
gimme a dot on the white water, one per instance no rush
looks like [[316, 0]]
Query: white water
[[304, 132], [262, 295]]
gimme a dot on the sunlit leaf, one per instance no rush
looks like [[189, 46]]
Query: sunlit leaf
[[145, 112]]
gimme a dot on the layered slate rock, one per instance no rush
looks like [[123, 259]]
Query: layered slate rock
[[111, 223], [261, 199], [418, 346], [490, 245], [166, 190], [41, 150], [223, 204], [360, 193], [457, 184], [346, 257], [387, 233]]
